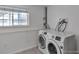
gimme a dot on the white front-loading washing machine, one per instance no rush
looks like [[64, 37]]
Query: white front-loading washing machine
[[56, 43]]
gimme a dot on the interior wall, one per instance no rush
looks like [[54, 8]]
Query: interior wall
[[65, 11], [16, 41]]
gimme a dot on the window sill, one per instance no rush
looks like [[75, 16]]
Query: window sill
[[10, 30]]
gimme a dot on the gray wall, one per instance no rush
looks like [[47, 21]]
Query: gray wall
[[12, 40], [71, 12], [17, 41]]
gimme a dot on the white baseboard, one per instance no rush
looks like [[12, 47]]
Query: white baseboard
[[71, 52], [23, 49]]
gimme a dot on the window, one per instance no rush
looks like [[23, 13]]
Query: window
[[13, 18]]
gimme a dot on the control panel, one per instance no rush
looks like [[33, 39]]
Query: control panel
[[58, 38]]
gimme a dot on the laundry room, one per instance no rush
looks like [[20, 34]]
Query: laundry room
[[39, 29]]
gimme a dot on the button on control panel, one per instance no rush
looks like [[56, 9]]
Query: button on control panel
[[52, 36]]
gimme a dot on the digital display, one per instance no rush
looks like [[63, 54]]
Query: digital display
[[58, 38]]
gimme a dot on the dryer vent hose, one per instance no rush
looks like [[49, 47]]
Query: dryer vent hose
[[61, 25]]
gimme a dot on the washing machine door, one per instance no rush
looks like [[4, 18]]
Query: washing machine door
[[53, 47], [42, 41]]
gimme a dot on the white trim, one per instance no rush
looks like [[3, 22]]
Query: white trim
[[9, 8], [10, 30], [71, 52]]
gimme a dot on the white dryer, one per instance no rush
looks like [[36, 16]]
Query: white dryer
[[56, 43], [42, 41]]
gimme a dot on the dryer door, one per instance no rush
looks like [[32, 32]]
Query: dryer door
[[53, 48], [42, 42]]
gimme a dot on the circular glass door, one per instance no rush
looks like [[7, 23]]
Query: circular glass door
[[52, 49], [42, 42]]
